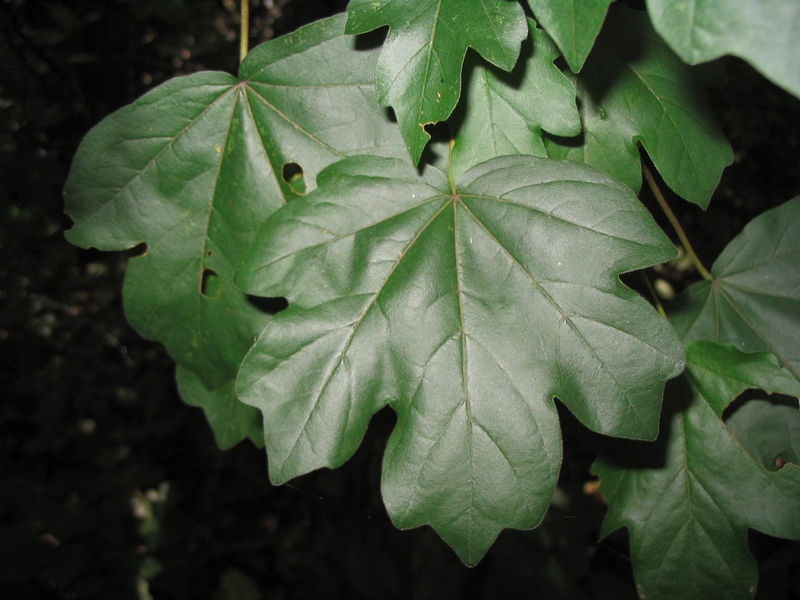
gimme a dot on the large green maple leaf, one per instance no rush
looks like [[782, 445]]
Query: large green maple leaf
[[195, 166], [753, 301], [573, 24], [634, 89], [688, 516], [466, 310], [764, 33], [419, 69]]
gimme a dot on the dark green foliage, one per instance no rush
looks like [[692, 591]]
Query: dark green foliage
[[466, 293]]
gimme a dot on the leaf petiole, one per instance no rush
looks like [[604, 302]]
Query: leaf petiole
[[654, 295], [676, 225], [245, 30], [450, 167]]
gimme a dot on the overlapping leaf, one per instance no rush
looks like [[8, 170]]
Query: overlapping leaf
[[754, 300], [688, 517], [573, 24], [419, 69], [504, 113], [195, 166], [467, 312], [764, 33], [230, 420], [635, 90], [770, 432]]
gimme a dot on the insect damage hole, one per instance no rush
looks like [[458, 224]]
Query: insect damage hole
[[271, 306], [293, 175], [211, 284]]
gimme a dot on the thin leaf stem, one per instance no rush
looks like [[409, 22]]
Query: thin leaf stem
[[654, 295], [244, 34], [676, 225], [450, 168]]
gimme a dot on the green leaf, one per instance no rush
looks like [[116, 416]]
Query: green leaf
[[230, 420], [467, 313], [634, 89], [419, 69], [573, 24], [753, 301], [764, 33], [769, 432], [195, 166], [688, 516], [504, 113]]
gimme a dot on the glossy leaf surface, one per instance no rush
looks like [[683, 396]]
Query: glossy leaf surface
[[688, 510], [634, 89], [505, 113], [764, 33], [466, 312], [419, 69], [195, 166], [754, 300], [230, 420], [573, 25]]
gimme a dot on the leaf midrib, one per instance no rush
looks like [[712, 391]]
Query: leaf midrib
[[170, 141], [567, 318], [368, 307]]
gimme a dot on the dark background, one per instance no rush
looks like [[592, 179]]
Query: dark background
[[113, 488]]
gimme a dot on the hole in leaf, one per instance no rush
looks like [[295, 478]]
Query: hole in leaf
[[271, 306], [138, 250], [763, 423], [293, 175], [211, 286], [390, 114]]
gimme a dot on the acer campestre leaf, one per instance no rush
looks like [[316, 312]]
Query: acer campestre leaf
[[195, 166], [573, 25], [419, 69], [230, 420], [688, 517], [754, 300], [466, 312], [763, 33], [504, 113], [635, 90], [769, 432]]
